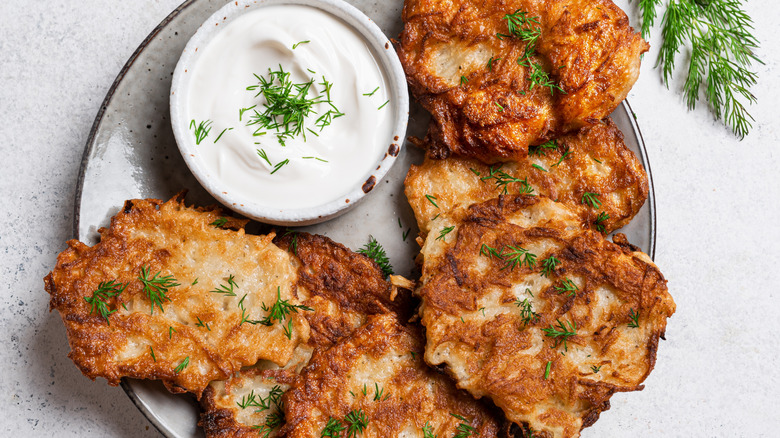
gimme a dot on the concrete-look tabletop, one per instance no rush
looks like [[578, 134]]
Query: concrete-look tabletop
[[718, 231]]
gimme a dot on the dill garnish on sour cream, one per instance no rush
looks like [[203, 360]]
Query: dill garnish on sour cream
[[292, 124]]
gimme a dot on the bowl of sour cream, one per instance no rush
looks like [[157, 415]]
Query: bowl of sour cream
[[289, 111]]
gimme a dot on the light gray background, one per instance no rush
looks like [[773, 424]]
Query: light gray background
[[718, 232]]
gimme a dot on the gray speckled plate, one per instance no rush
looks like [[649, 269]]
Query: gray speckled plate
[[131, 153]]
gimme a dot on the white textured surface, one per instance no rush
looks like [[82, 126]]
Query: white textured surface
[[718, 232]]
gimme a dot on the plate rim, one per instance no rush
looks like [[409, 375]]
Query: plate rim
[[90, 144]]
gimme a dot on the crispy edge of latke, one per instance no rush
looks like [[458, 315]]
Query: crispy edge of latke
[[651, 297], [78, 337], [326, 270], [327, 369]]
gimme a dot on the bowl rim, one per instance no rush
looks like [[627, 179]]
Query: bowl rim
[[385, 55]]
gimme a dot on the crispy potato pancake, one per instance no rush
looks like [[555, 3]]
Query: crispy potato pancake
[[486, 99], [188, 299], [592, 160], [343, 288], [375, 382], [548, 340]]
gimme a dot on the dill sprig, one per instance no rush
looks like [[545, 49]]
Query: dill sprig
[[376, 252], [591, 199], [503, 179], [538, 77], [595, 368], [227, 289], [527, 314], [428, 431], [567, 285], [202, 130], [274, 419], [279, 311], [721, 49], [549, 264], [255, 401], [561, 333], [105, 290], [527, 29], [464, 429], [184, 364], [443, 233], [599, 222], [356, 422], [540, 150], [333, 428], [288, 105], [156, 287], [634, 319], [219, 223], [517, 256]]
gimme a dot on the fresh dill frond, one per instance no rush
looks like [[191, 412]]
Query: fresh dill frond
[[503, 179], [151, 352], [219, 223], [105, 290], [280, 311], [376, 252], [227, 289], [371, 93], [156, 288], [490, 252], [202, 130], [287, 105], [517, 256], [202, 324], [293, 246], [540, 150], [567, 286], [563, 157], [547, 369], [592, 199], [599, 222], [527, 314], [718, 36], [222, 133], [634, 319], [184, 364], [596, 369], [356, 423], [333, 428], [279, 165], [561, 333], [464, 429], [492, 61], [295, 46], [432, 200], [537, 77], [549, 264], [443, 233], [427, 431]]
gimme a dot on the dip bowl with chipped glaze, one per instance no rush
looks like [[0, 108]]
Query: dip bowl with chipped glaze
[[333, 65]]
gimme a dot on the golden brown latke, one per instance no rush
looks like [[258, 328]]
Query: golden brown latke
[[480, 96], [378, 374], [549, 347], [192, 335], [343, 288], [591, 160]]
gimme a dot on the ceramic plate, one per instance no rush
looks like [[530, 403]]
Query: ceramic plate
[[131, 153]]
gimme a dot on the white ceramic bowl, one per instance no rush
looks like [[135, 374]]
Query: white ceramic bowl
[[385, 56]]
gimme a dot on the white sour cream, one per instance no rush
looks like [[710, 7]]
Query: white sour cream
[[341, 158]]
